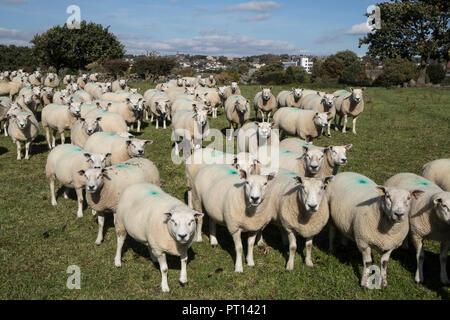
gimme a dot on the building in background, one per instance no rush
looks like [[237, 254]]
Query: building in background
[[306, 63]]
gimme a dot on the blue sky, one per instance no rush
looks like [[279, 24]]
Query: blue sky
[[231, 28]]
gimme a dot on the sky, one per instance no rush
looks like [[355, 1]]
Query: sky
[[229, 27]]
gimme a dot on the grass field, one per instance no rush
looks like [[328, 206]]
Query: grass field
[[399, 131]]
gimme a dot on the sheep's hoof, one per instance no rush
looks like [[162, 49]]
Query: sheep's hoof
[[183, 283], [165, 289], [118, 264], [79, 216], [309, 264], [329, 135], [214, 245], [98, 242]]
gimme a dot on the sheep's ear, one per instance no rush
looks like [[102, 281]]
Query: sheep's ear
[[108, 154], [28, 116], [298, 179], [256, 123], [416, 193], [81, 172], [270, 176], [128, 142], [316, 114], [327, 180], [348, 147], [104, 171], [270, 88], [351, 89], [98, 105], [437, 201], [148, 142], [243, 174], [381, 190], [168, 216], [305, 149], [87, 155], [82, 119], [128, 100], [198, 215]]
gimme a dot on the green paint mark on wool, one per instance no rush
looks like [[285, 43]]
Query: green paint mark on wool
[[233, 172], [110, 134], [306, 144], [285, 151], [423, 183], [152, 193], [236, 97], [122, 166], [362, 181]]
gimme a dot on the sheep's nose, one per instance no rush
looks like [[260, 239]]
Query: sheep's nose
[[141, 151], [314, 167], [344, 160], [182, 236], [254, 199], [313, 207], [399, 216], [91, 187]]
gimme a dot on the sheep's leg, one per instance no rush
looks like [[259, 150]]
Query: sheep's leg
[[309, 244], [238, 247], [443, 259], [139, 125], [146, 114], [331, 236], [157, 123], [19, 148], [183, 272], [47, 136], [5, 127], [63, 138], [384, 262], [418, 244], [164, 271], [354, 125], [121, 235], [65, 193], [250, 245], [101, 223], [164, 124], [27, 150], [79, 192], [212, 233], [152, 256], [52, 191], [53, 138], [344, 128], [260, 243], [329, 128], [292, 249], [367, 263], [231, 131]]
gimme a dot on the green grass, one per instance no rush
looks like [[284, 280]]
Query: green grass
[[400, 130]]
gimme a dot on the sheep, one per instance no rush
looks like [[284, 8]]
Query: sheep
[[36, 78], [69, 79], [161, 109], [232, 90], [299, 206], [83, 128], [438, 171], [253, 135], [95, 90], [52, 80], [236, 207], [307, 124], [23, 127], [104, 186], [110, 121], [59, 96], [179, 82], [335, 156], [192, 126], [64, 163], [158, 220], [129, 110], [212, 99], [264, 102], [162, 86], [429, 218], [119, 85], [206, 156], [210, 81], [237, 111], [373, 216], [83, 95], [93, 77], [290, 99], [10, 88], [82, 81], [147, 97], [28, 102], [59, 118], [176, 93], [348, 104], [183, 104], [122, 148], [189, 81], [320, 103], [47, 94], [5, 105], [136, 101]]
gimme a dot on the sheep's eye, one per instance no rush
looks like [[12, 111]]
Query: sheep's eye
[[409, 198]]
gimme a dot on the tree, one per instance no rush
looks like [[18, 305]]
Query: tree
[[411, 28], [348, 57], [62, 47], [316, 71], [13, 58], [396, 71], [243, 68], [354, 74], [332, 68], [436, 73], [116, 67], [154, 66], [295, 74]]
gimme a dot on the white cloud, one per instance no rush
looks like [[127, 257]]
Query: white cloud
[[359, 29], [16, 37], [259, 17], [256, 6]]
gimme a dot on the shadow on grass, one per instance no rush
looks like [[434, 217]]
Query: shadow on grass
[[3, 150]]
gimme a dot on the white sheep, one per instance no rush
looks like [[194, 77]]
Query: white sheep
[[438, 171], [52, 80], [211, 97], [47, 94], [59, 118], [160, 109], [147, 97], [253, 135], [110, 121], [373, 216], [321, 103], [128, 110], [158, 220], [236, 207], [119, 85], [23, 127], [264, 103], [93, 77], [183, 104], [290, 99], [237, 111], [82, 81], [210, 81], [64, 163], [83, 128], [191, 126], [10, 88], [121, 148], [95, 90], [348, 104], [429, 219], [231, 90], [69, 79], [104, 186], [5, 105], [36, 78], [306, 124]]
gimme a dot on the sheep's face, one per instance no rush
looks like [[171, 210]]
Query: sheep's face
[[108, 86], [51, 76], [311, 191], [75, 108], [245, 161], [234, 87], [164, 87], [202, 82], [313, 159], [15, 108], [134, 90], [357, 94], [27, 100], [255, 187], [189, 91], [48, 92], [442, 205], [136, 147], [396, 202], [242, 106], [266, 93], [21, 119], [91, 125], [328, 100], [211, 77], [179, 82], [163, 107], [201, 116], [321, 119], [202, 98], [338, 154], [297, 93], [122, 83], [84, 77], [135, 104], [221, 91], [182, 224], [93, 178], [264, 129], [97, 160]]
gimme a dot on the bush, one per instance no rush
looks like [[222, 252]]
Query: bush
[[436, 72], [226, 77], [275, 74], [295, 74], [396, 71], [95, 67], [153, 67], [332, 68], [116, 67], [355, 74], [13, 57]]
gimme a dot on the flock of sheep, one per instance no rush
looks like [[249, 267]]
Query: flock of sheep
[[291, 183]]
